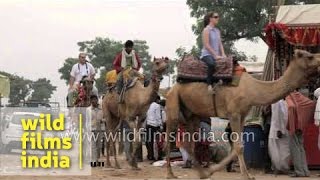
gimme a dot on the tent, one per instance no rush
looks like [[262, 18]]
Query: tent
[[295, 27]]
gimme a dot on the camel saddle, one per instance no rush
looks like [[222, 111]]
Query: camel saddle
[[127, 79], [192, 69]]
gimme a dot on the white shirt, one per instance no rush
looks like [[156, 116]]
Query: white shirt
[[317, 111], [79, 70], [279, 119], [94, 116], [164, 117], [154, 115]]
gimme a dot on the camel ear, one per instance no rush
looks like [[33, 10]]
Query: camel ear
[[166, 58], [154, 58]]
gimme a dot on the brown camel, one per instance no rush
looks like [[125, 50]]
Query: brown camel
[[85, 90], [136, 103], [193, 101]]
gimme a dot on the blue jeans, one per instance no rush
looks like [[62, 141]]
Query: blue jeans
[[211, 63]]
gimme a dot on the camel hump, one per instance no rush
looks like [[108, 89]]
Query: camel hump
[[299, 53]]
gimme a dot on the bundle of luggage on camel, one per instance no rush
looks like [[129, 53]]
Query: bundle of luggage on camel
[[192, 69]]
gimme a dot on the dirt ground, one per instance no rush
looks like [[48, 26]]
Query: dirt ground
[[149, 172]]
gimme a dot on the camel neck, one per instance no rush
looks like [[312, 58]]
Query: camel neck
[[268, 92], [153, 88]]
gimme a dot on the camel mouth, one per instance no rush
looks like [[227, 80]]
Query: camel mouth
[[162, 69]]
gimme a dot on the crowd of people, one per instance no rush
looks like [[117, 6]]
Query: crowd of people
[[285, 124]]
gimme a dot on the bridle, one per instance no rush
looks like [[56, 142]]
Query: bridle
[[156, 78]]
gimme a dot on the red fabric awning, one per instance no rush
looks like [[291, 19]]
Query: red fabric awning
[[298, 35]]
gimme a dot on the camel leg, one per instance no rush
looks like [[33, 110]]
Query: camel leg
[[115, 155], [108, 163], [172, 113], [236, 126], [107, 116], [171, 127], [235, 122], [135, 144], [191, 127]]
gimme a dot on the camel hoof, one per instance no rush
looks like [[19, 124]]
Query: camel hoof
[[117, 166], [136, 169], [108, 166], [248, 178], [204, 175], [171, 176]]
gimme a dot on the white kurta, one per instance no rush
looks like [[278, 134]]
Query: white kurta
[[317, 112], [279, 148]]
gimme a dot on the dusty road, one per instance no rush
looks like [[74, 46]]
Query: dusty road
[[147, 172]]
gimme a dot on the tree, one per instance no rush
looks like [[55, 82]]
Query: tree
[[42, 90], [21, 89], [102, 51], [66, 68], [254, 58], [239, 18]]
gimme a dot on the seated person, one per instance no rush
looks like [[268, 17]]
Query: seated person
[[80, 70], [126, 59], [212, 46]]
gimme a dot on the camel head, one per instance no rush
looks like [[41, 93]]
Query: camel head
[[308, 62], [160, 65], [87, 83]]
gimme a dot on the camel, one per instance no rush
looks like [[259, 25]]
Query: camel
[[193, 101], [136, 103], [84, 91]]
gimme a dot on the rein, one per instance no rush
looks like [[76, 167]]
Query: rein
[[156, 78]]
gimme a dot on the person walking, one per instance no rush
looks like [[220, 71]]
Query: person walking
[[153, 125], [94, 116]]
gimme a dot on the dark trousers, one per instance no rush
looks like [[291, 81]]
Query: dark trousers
[[211, 63], [267, 159], [150, 139]]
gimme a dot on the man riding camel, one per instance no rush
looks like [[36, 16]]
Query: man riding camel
[[80, 70], [127, 59]]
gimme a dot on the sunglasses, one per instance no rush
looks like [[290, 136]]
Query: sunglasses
[[216, 17], [82, 57]]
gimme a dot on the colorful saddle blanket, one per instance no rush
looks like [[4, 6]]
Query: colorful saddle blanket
[[191, 68]]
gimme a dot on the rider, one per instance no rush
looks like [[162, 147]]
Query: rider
[[78, 71], [212, 45], [126, 59]]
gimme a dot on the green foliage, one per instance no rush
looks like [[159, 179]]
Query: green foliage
[[100, 81], [66, 68], [238, 18], [102, 51], [20, 88], [142, 49], [42, 90], [182, 51]]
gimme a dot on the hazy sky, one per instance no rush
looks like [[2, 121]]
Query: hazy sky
[[36, 36]]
